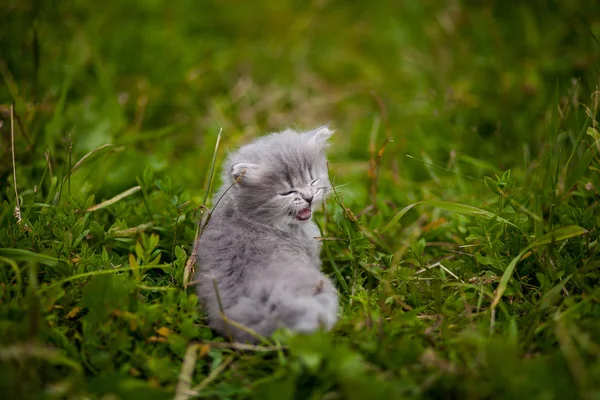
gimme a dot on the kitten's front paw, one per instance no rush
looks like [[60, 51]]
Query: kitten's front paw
[[318, 316]]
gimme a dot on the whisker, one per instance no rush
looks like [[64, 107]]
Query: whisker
[[344, 184]]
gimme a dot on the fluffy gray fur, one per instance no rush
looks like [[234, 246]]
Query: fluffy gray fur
[[259, 247]]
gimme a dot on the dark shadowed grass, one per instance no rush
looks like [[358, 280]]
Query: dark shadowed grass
[[462, 235]]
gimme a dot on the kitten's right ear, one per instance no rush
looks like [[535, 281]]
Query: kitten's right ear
[[241, 172], [320, 136]]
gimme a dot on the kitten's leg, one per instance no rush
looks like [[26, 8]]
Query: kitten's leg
[[238, 304], [251, 313], [305, 306], [302, 308]]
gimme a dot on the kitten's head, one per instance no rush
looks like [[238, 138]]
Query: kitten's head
[[280, 178]]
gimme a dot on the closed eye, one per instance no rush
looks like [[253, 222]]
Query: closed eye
[[287, 193], [314, 181]]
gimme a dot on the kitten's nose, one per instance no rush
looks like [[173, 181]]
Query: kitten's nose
[[308, 199]]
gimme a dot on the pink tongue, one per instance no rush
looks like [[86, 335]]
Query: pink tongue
[[303, 214]]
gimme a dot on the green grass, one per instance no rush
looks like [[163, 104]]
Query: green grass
[[463, 237]]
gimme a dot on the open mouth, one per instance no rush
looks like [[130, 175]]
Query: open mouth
[[303, 214]]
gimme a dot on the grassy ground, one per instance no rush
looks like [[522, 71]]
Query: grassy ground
[[463, 239]]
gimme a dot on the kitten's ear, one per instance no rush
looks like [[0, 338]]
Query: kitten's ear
[[320, 135], [241, 172]]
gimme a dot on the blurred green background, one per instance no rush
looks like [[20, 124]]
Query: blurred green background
[[479, 79], [489, 104]]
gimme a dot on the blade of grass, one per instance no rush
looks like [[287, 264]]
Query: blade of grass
[[182, 391], [189, 265], [15, 268], [134, 231], [457, 208], [212, 376], [478, 163], [336, 270], [22, 351], [11, 84], [574, 151], [115, 199], [429, 164], [97, 150], [17, 211], [575, 362], [555, 236], [211, 173], [244, 346], [581, 167], [26, 255], [94, 273]]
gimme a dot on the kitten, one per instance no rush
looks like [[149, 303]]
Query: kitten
[[259, 248]]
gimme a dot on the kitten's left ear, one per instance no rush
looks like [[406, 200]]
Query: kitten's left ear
[[320, 135], [244, 172]]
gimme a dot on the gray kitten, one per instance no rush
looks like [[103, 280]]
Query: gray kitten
[[259, 248]]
